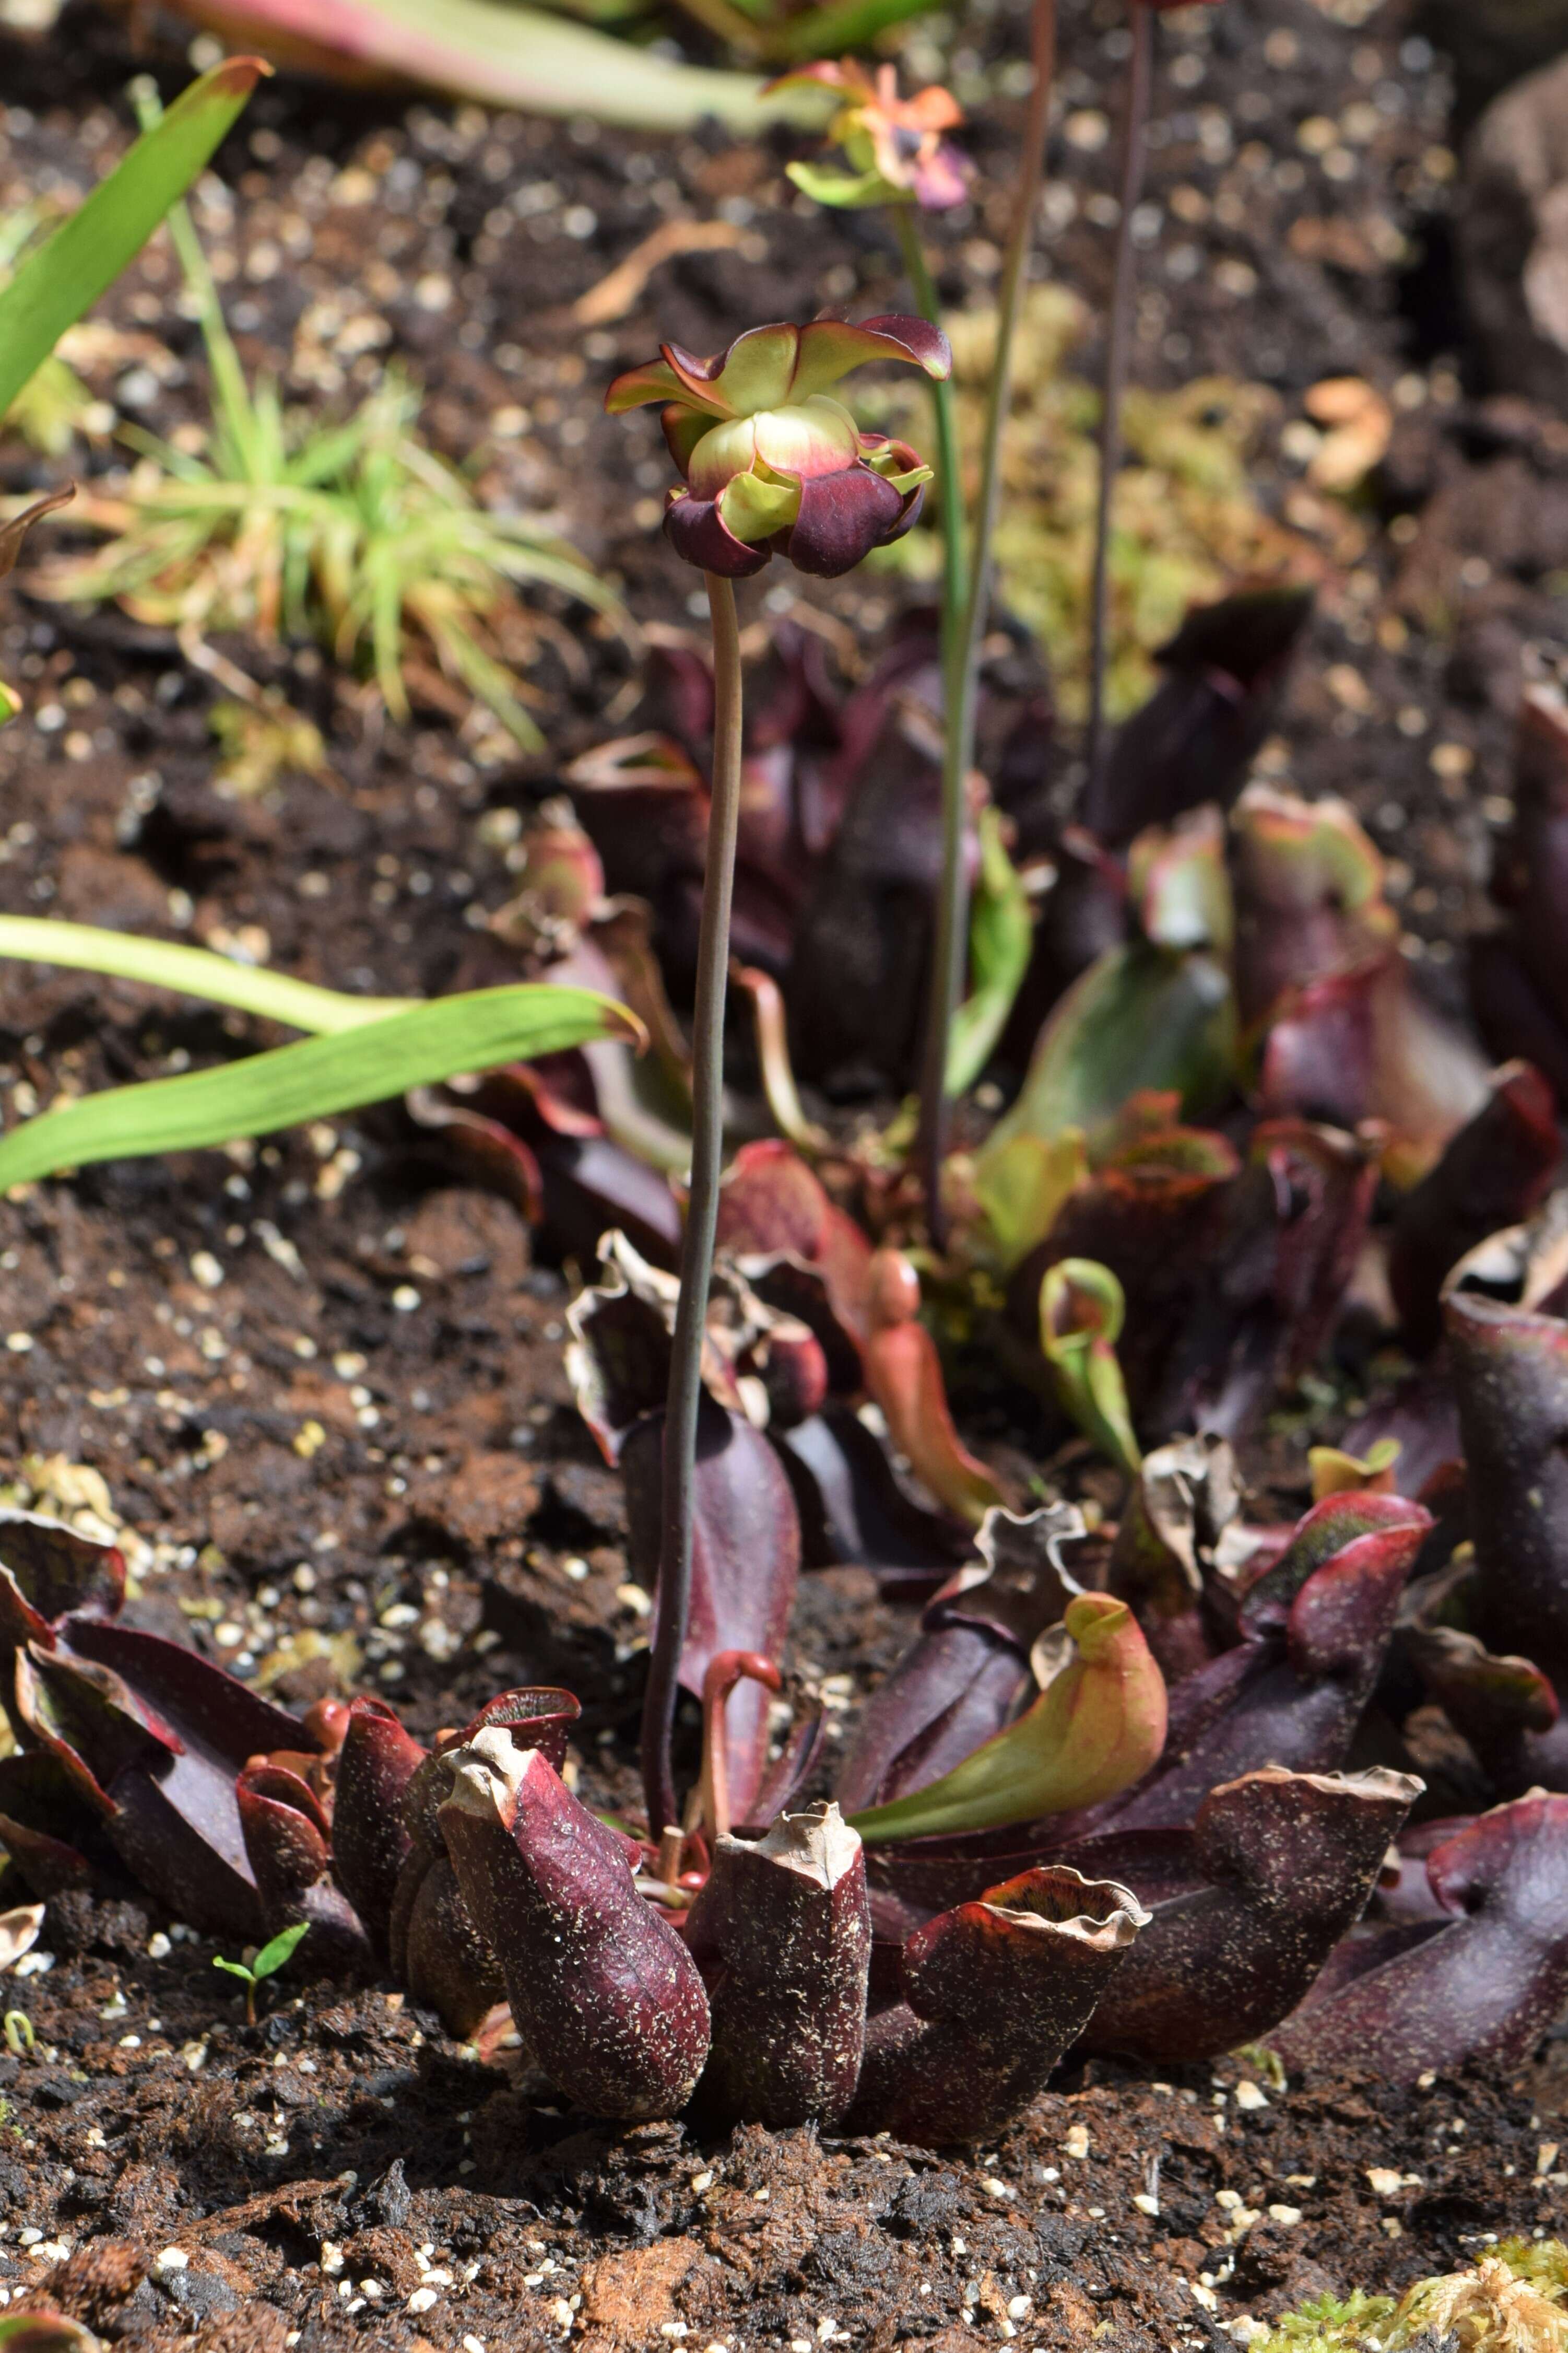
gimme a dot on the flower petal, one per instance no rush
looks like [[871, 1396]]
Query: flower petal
[[683, 428], [752, 508], [724, 450], [935, 108], [655, 380], [756, 370], [940, 179], [829, 348], [818, 437], [695, 529], [842, 517]]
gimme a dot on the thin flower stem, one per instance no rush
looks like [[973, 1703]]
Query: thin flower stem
[[1134, 162], [953, 905], [701, 1216], [949, 476]]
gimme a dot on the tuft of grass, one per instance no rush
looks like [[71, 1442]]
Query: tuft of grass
[[1186, 525], [355, 534]]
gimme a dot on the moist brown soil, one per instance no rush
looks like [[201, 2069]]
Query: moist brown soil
[[323, 1384]]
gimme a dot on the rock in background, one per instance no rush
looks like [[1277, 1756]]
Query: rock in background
[[1513, 230]]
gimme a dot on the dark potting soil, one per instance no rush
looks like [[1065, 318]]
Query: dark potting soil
[[321, 1385]]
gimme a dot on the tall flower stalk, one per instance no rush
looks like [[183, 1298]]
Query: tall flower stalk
[[953, 905], [1118, 351], [771, 464], [702, 1207]]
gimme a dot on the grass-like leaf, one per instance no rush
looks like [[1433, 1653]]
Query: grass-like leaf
[[65, 275], [1002, 934], [192, 972], [316, 1079]]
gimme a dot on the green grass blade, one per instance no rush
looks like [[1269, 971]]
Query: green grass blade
[[65, 277], [193, 972], [316, 1079]]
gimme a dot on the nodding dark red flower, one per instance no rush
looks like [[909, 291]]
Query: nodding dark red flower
[[772, 465]]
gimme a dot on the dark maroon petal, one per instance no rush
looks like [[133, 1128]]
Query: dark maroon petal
[[1494, 1173], [698, 535], [908, 515], [605, 1994], [1247, 1907], [917, 338], [782, 1933], [1484, 1984], [377, 1762], [744, 1568], [994, 1993], [842, 518]]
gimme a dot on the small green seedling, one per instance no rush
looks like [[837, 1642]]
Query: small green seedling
[[20, 2039], [267, 1964]]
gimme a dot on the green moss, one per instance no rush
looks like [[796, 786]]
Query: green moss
[[1327, 2324], [1187, 523], [1514, 2300]]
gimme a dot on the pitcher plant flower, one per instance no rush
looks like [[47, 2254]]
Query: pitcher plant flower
[[772, 464], [894, 144]]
